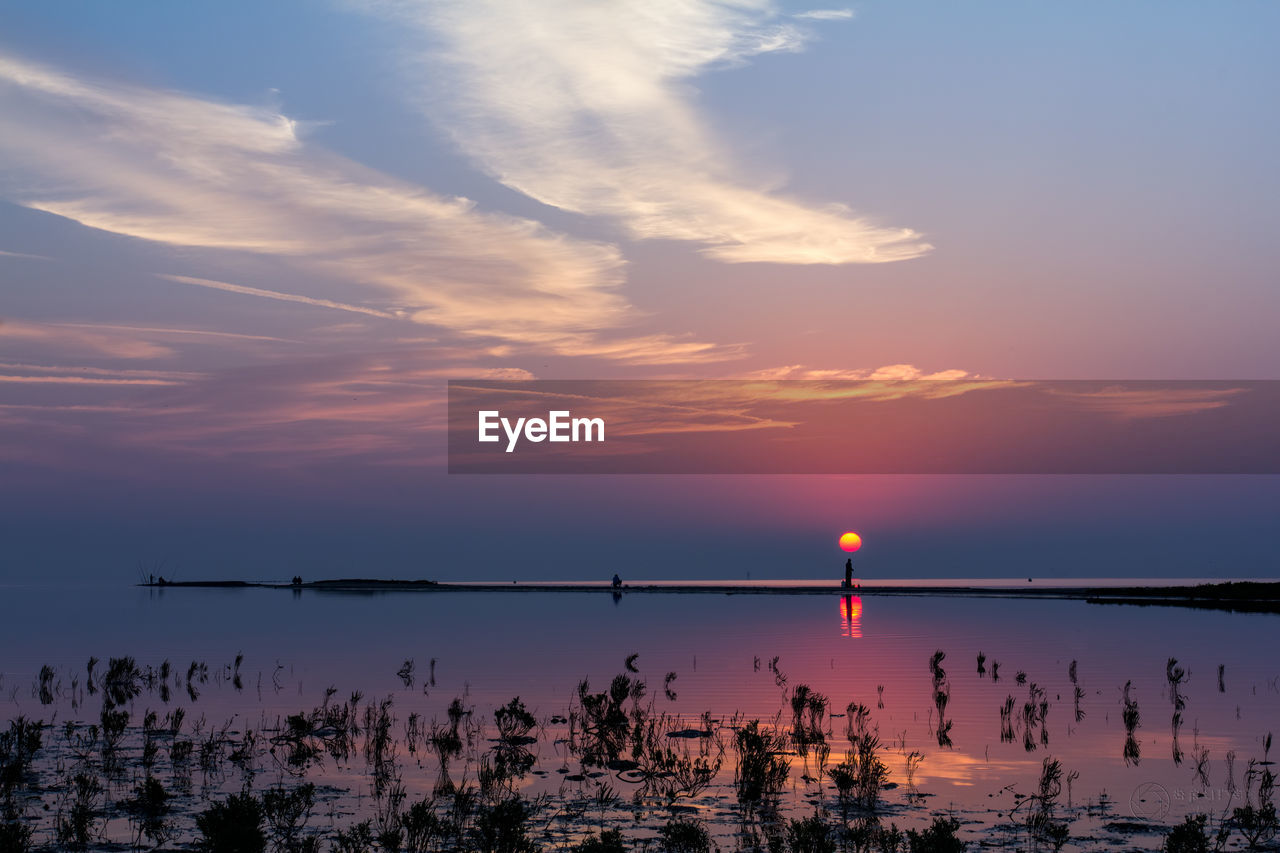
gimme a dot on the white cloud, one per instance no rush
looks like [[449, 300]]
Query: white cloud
[[184, 171], [587, 107]]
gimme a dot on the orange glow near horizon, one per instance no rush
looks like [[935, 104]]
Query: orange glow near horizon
[[850, 541]]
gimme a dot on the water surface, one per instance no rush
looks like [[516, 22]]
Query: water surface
[[734, 657]]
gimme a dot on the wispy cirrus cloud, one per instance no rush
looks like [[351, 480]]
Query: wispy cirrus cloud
[[888, 372], [1151, 401], [79, 339], [170, 376], [588, 107], [81, 380], [7, 254], [825, 15], [282, 297], [190, 172], [175, 332]]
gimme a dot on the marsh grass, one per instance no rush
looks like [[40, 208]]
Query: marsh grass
[[1035, 714], [149, 810], [761, 768], [861, 777], [1006, 720], [1039, 810], [808, 717], [941, 697], [684, 835], [1132, 720], [939, 837], [623, 759], [405, 673], [1176, 676], [1077, 692], [1257, 820], [79, 810]]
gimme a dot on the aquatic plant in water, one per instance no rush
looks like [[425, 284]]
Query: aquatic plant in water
[[1132, 748], [762, 767]]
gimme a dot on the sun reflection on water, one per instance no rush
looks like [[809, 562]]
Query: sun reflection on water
[[851, 616]]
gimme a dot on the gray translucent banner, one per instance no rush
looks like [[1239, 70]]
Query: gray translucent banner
[[863, 427]]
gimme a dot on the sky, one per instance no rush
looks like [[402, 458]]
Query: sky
[[243, 248]]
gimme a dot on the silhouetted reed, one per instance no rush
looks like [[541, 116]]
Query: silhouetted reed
[[1035, 712], [232, 824], [1006, 720], [122, 681], [150, 747], [1176, 677], [1257, 820], [1076, 691], [148, 812], [79, 811], [287, 812], [658, 759], [1200, 759], [18, 748], [674, 772], [114, 724], [379, 745], [503, 827], [405, 673], [939, 837], [857, 721], [684, 835], [860, 778], [1132, 749], [761, 769], [1040, 808], [45, 687], [603, 723], [307, 737], [166, 673], [941, 696], [808, 717]]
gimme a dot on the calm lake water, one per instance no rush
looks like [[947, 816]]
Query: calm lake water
[[489, 647]]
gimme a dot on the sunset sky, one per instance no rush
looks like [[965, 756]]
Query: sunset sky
[[243, 247]]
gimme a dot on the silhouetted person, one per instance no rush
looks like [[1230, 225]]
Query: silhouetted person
[[617, 581], [161, 581], [848, 572]]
